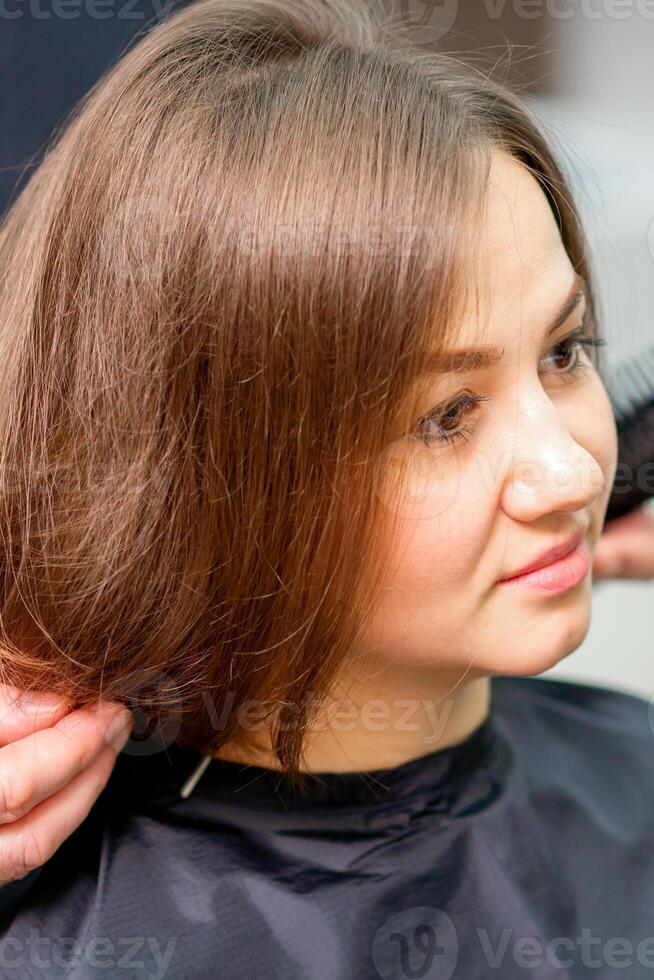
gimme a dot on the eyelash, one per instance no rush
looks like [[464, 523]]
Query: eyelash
[[467, 399]]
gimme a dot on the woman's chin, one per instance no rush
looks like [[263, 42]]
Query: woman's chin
[[540, 632], [546, 647]]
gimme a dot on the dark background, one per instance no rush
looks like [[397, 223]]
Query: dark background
[[51, 52]]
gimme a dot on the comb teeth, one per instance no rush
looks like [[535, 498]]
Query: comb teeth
[[631, 390], [631, 385]]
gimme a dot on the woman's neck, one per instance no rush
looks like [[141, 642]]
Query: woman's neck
[[392, 719]]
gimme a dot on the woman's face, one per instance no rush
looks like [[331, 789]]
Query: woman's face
[[535, 465]]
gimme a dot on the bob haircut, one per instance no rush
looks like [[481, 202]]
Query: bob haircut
[[220, 287]]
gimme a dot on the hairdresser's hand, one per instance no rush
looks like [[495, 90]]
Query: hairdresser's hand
[[626, 547], [54, 763]]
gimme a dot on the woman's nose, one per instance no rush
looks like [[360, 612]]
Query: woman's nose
[[549, 469]]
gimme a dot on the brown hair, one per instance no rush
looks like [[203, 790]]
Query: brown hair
[[218, 290]]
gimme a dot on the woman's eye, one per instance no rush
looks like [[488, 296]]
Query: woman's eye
[[445, 424], [566, 354]]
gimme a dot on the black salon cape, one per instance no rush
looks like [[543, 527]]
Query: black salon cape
[[525, 851]]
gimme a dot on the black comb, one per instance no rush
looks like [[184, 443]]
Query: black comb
[[631, 390]]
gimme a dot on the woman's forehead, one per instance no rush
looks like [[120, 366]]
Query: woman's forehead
[[517, 225], [538, 311], [517, 272]]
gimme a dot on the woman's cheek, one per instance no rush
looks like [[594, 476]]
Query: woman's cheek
[[417, 483], [443, 526]]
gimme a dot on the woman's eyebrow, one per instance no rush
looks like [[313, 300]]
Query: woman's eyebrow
[[470, 359]]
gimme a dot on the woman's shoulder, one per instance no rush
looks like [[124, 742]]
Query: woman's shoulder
[[575, 703], [584, 754], [571, 738]]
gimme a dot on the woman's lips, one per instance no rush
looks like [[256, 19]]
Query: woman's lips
[[558, 575], [552, 554]]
